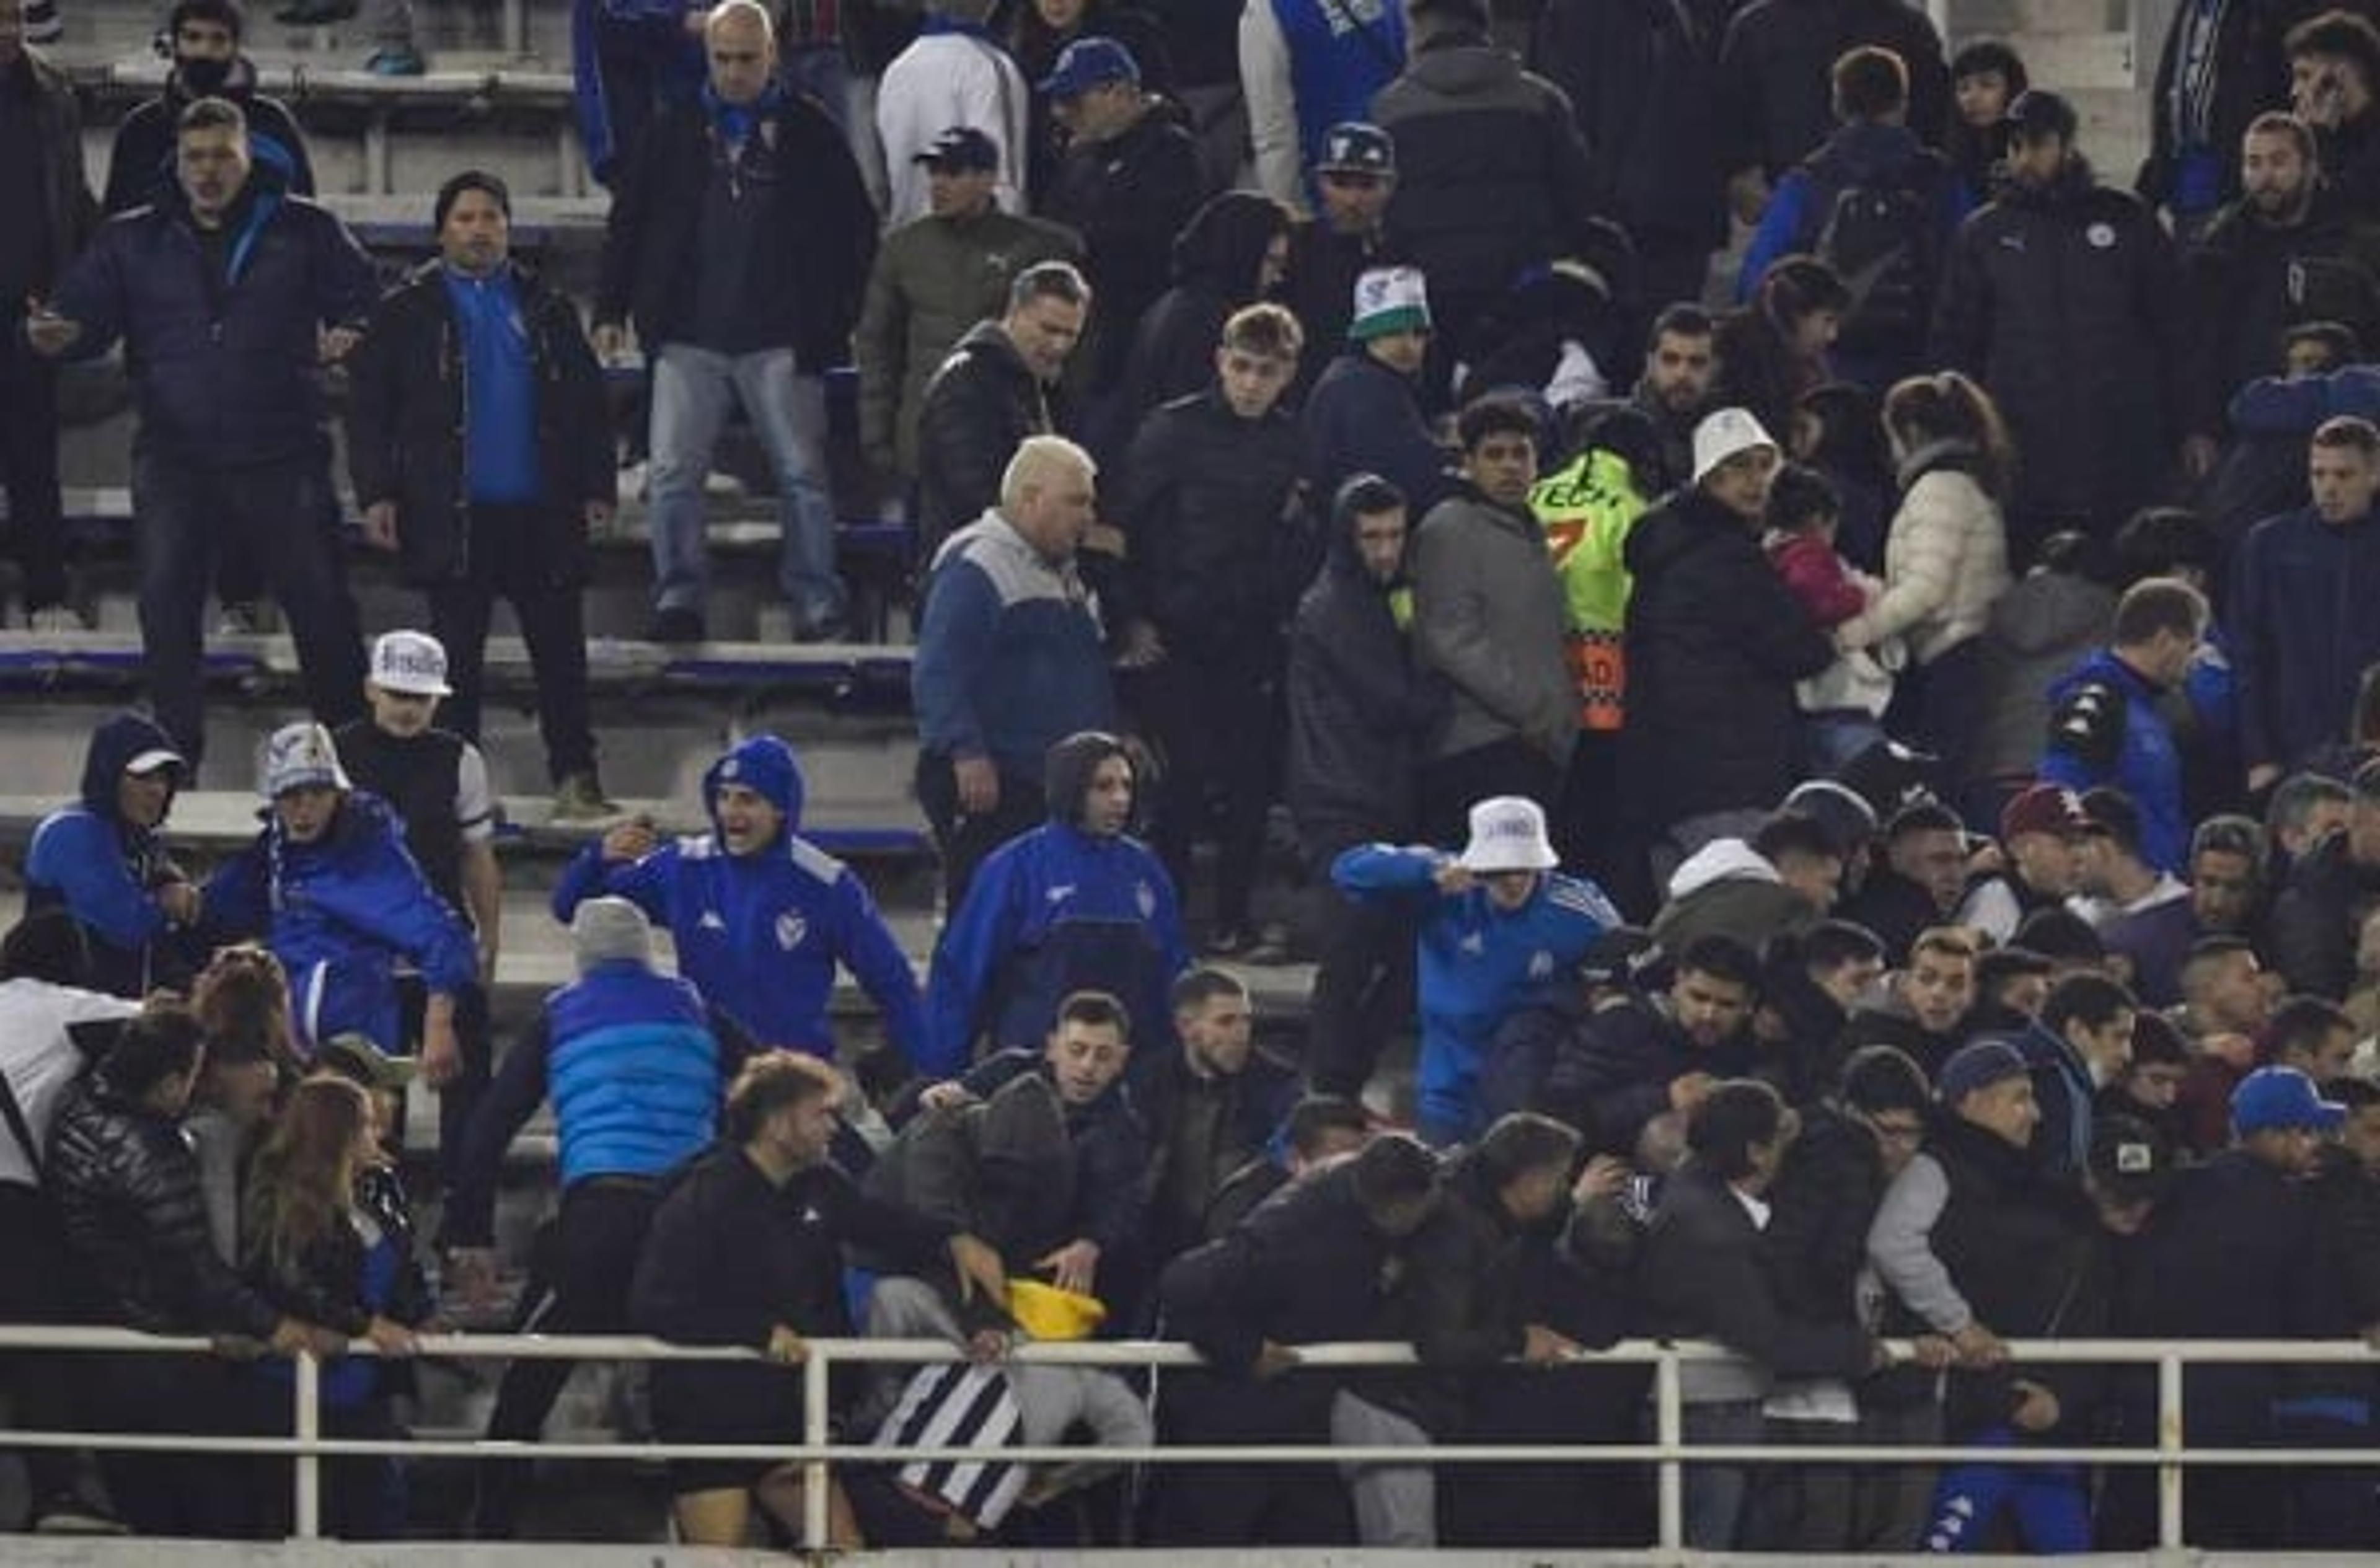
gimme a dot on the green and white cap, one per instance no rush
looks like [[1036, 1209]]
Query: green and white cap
[[1389, 299]]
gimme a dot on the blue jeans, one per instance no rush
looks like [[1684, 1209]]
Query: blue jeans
[[692, 390]]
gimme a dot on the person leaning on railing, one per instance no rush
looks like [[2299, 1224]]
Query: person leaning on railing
[[747, 1249], [140, 1256]]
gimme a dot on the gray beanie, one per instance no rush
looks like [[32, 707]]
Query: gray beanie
[[608, 929]]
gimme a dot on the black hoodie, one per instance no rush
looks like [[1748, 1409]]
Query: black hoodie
[[87, 860], [1360, 707]]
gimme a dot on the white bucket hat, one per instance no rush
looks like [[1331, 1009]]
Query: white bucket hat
[[1724, 434], [1508, 834]]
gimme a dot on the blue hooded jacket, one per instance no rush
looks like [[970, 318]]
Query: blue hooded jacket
[[1477, 963], [339, 913], [100, 869], [760, 935], [1054, 911]]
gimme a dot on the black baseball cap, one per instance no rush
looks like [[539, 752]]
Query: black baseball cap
[[1354, 147], [961, 147], [2041, 113]]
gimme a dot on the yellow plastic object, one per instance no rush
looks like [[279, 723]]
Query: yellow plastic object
[[1048, 1313]]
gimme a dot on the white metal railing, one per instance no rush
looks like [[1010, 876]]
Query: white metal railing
[[1669, 1451]]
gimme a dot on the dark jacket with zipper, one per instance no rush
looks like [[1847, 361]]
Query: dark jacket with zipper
[[2301, 609], [225, 359], [408, 412], [2060, 299], [67, 211], [980, 405], [1644, 87], [141, 165], [813, 240], [1715, 644], [1773, 66]]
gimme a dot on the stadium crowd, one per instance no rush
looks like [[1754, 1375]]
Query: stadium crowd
[[1867, 797]]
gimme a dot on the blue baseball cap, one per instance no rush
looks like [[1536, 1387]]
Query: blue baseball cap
[[1089, 63], [2279, 1099]]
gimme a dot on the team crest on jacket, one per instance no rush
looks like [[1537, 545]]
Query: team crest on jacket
[[790, 929], [1145, 896], [1541, 966], [731, 769], [2101, 235]]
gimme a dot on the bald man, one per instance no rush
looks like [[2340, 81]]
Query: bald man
[[1011, 657], [740, 246]]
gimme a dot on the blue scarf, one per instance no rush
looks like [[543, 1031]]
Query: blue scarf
[[735, 122]]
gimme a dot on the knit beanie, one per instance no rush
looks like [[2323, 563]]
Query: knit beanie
[[607, 930]]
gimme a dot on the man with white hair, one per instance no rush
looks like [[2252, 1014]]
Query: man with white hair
[[740, 244], [1011, 657], [1496, 921]]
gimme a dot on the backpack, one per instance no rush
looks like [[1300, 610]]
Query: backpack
[[1880, 239]]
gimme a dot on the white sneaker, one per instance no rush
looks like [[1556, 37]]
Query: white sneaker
[[52, 619], [632, 481], [722, 487]]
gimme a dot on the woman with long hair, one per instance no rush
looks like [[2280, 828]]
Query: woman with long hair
[[241, 999], [1945, 557], [1774, 349], [308, 1248]]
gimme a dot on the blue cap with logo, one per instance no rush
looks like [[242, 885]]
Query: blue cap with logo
[[2279, 1100], [1089, 63]]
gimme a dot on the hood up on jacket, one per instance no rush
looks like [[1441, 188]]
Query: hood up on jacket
[[764, 763], [114, 748], [1223, 248], [1722, 860]]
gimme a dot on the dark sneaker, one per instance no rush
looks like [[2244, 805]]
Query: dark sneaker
[[579, 798], [676, 624]]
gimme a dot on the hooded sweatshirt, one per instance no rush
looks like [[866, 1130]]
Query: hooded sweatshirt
[[1726, 888], [762, 934], [340, 913], [101, 869]]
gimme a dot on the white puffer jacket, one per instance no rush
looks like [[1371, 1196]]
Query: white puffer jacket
[[1945, 561]]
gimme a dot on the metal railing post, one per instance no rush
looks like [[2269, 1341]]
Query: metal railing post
[[814, 1435], [2169, 1435], [309, 1428], [1669, 1430]]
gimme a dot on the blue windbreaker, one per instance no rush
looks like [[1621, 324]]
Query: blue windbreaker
[[1477, 963], [340, 913], [1053, 911], [760, 935]]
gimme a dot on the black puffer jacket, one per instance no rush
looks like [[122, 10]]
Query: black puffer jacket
[[978, 407], [126, 1187], [1218, 546], [812, 245], [1826, 1195], [1127, 196], [2245, 281], [1642, 85], [1715, 644], [405, 417], [1492, 175], [1360, 708], [1773, 79], [2314, 925], [2060, 299]]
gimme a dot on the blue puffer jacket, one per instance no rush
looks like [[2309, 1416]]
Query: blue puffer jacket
[[634, 1072], [636, 1064], [762, 934], [1477, 964], [1054, 911], [101, 869], [227, 368], [340, 913]]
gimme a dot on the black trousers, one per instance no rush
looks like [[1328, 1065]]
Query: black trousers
[[40, 1390], [1363, 985], [28, 462], [1452, 785], [578, 1285], [505, 562], [965, 839], [1218, 721], [281, 514]]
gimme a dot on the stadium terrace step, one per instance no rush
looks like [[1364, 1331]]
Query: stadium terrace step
[[861, 677]]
